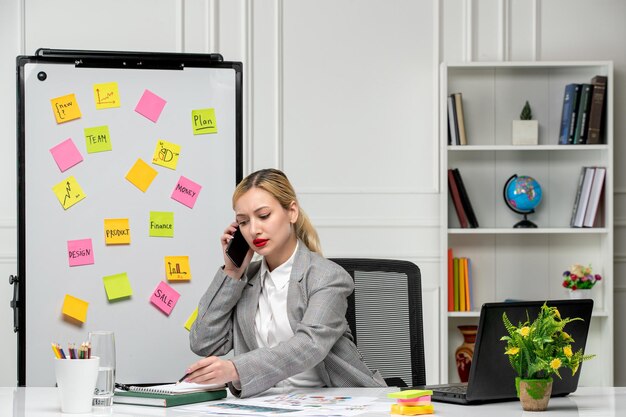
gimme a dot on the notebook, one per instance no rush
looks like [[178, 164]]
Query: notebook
[[168, 395], [491, 376]]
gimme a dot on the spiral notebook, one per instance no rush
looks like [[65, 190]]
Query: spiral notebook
[[174, 389]]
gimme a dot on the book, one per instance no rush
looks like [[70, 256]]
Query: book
[[450, 280], [571, 92], [466, 283], [469, 284], [574, 115], [456, 200], [596, 112], [458, 101], [456, 284], [584, 105], [585, 191], [452, 122], [465, 201], [461, 285], [594, 197], [166, 400], [579, 188]]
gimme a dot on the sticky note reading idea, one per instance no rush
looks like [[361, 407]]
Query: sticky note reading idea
[[177, 268], [117, 286], [162, 223], [65, 108], [141, 175], [66, 154], [150, 106], [98, 139], [166, 154], [186, 192], [164, 297], [116, 232], [80, 252], [75, 308], [68, 192], [203, 121], [106, 95]]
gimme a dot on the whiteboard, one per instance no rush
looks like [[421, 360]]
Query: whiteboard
[[151, 345]]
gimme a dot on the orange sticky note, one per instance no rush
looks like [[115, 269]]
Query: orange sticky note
[[106, 95], [75, 308], [192, 318], [116, 232], [177, 268], [141, 175], [65, 108], [68, 192]]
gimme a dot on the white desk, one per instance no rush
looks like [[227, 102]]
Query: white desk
[[43, 402]]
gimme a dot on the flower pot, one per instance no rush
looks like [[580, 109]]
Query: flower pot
[[534, 394], [525, 132], [580, 294], [465, 352]]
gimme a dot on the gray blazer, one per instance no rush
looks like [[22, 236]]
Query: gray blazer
[[316, 308]]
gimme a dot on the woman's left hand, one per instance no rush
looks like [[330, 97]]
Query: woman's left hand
[[212, 370]]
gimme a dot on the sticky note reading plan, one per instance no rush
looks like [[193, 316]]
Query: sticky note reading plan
[[141, 175], [65, 108], [80, 252], [164, 297], [98, 139], [106, 95], [192, 318], [150, 105], [116, 232], [117, 286], [66, 154], [68, 192], [186, 192], [162, 223], [75, 308], [177, 268], [166, 154], [203, 121]]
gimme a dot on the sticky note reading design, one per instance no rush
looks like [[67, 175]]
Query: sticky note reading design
[[65, 108], [141, 175], [116, 232], [75, 308], [164, 297], [106, 95], [203, 121], [162, 223], [80, 252], [166, 154], [117, 286], [186, 192], [177, 268], [98, 139], [68, 192], [150, 105], [66, 154], [192, 318]]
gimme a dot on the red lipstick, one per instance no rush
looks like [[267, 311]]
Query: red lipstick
[[259, 243]]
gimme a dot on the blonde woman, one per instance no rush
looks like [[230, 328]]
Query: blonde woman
[[284, 315]]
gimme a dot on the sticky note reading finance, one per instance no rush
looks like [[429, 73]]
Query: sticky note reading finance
[[141, 175], [192, 318], [106, 95], [166, 154], [68, 192], [66, 154], [116, 232], [117, 286], [203, 121], [98, 139], [164, 297], [186, 192], [150, 105], [75, 308], [65, 108], [80, 252], [162, 223], [177, 268]]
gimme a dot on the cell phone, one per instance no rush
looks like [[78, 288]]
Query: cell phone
[[237, 248]]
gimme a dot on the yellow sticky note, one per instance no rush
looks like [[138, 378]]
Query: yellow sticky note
[[75, 308], [117, 286], [116, 232], [177, 268], [106, 95], [141, 175], [98, 139], [65, 108], [68, 192], [203, 121], [191, 319], [166, 154]]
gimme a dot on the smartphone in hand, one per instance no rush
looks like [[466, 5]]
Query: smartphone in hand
[[237, 248]]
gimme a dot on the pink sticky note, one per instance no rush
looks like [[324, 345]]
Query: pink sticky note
[[66, 154], [80, 252], [150, 105], [186, 192], [164, 297]]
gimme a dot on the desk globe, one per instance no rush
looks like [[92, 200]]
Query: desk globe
[[522, 194]]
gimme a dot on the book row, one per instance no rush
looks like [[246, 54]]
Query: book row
[[456, 120], [582, 119], [459, 283], [587, 210]]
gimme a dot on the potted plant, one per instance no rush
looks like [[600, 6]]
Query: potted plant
[[537, 350], [579, 280], [525, 131]]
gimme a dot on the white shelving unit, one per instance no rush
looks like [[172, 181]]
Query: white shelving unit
[[510, 263]]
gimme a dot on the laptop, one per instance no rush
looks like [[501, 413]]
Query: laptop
[[491, 376]]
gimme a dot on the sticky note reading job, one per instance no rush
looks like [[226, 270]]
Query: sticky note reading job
[[186, 192], [65, 108], [203, 121], [192, 318], [164, 297], [80, 252], [162, 223], [150, 105], [177, 268], [98, 139], [68, 192], [166, 154], [141, 175], [116, 232], [75, 308], [117, 286], [106, 95], [66, 154]]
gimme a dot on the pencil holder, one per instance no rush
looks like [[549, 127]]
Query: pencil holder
[[76, 379]]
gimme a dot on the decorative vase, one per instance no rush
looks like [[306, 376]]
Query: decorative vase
[[534, 394], [465, 352], [580, 294]]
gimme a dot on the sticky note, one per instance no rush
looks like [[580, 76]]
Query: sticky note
[[192, 318], [80, 252], [407, 410], [164, 297], [68, 192], [141, 175], [150, 105], [75, 308], [415, 401], [177, 268], [162, 223], [106, 95], [65, 108], [203, 121], [413, 393], [98, 139], [186, 192], [166, 154], [117, 286], [66, 154], [116, 232]]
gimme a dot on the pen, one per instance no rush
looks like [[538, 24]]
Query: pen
[[183, 378]]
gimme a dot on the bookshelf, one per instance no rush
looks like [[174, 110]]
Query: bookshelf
[[510, 263]]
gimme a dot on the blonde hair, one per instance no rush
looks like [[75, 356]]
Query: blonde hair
[[276, 183]]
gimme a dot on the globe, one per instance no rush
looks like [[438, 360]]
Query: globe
[[522, 194]]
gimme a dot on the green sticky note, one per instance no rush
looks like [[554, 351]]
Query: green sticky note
[[98, 139], [203, 121], [413, 393], [162, 223], [117, 286], [192, 318]]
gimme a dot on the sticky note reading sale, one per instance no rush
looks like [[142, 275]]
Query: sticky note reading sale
[[80, 252], [162, 223], [117, 286], [106, 95], [66, 154], [164, 297], [166, 154], [98, 139], [141, 175], [68, 192], [150, 105], [203, 121], [65, 108], [116, 232], [192, 318], [177, 268], [75, 308], [186, 192]]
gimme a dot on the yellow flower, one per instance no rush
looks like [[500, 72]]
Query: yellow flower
[[512, 351], [556, 312], [555, 363], [524, 331], [568, 351], [566, 336]]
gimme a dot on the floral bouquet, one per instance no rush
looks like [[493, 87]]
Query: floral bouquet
[[580, 277]]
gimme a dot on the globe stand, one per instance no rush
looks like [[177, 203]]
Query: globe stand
[[525, 223]]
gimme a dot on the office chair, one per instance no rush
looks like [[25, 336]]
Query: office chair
[[385, 317]]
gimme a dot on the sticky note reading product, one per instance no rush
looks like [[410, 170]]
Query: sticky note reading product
[[66, 154], [150, 105], [164, 297], [177, 268], [98, 139], [162, 223], [106, 95], [68, 192], [203, 121], [141, 175], [116, 232], [65, 108], [186, 192], [75, 308], [117, 286], [192, 318], [80, 252], [166, 154]]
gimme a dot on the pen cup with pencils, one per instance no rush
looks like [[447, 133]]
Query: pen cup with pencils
[[76, 379]]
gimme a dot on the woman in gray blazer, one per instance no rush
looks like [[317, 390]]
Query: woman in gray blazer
[[283, 315]]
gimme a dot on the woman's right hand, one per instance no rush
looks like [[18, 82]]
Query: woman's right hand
[[230, 268]]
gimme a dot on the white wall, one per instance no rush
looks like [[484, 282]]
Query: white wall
[[341, 94]]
